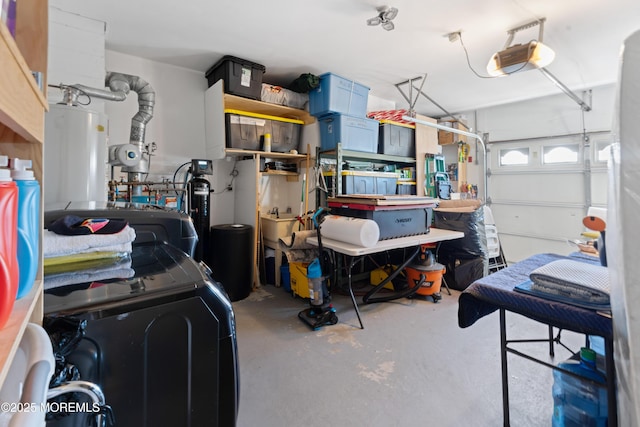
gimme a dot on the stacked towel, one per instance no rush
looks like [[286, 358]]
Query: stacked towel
[[121, 269], [572, 282], [80, 250], [56, 245]]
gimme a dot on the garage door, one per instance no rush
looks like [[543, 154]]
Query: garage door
[[540, 189]]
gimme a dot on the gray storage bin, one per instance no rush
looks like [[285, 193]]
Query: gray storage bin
[[397, 139], [244, 130], [386, 182], [366, 182]]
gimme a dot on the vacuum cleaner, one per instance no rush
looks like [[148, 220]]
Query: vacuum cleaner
[[320, 312], [424, 277]]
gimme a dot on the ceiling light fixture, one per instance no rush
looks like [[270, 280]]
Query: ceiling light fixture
[[521, 57], [385, 15]]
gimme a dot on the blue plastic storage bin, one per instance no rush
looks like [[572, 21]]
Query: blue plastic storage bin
[[355, 133], [336, 94], [577, 401], [285, 278]]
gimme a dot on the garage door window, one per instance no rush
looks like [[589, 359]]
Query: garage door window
[[603, 151], [555, 154], [514, 156]]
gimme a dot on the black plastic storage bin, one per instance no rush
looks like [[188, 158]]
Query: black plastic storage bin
[[241, 77], [396, 139]]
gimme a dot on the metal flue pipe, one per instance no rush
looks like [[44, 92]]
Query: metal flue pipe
[[124, 83]]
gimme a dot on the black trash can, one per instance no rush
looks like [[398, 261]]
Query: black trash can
[[230, 258]]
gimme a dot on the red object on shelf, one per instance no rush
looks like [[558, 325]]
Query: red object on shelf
[[391, 115], [9, 271]]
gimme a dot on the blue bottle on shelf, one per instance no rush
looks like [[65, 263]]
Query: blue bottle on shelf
[[579, 402], [28, 223]]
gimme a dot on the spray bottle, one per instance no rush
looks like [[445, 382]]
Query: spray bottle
[[9, 270], [28, 223]]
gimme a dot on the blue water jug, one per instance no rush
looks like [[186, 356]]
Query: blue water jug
[[28, 223], [578, 402]]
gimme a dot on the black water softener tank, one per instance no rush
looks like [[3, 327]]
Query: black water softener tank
[[230, 258]]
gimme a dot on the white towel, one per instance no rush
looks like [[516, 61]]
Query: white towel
[[119, 270], [58, 245], [573, 280]]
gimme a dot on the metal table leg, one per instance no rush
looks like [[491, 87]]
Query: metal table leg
[[352, 262], [505, 377], [610, 370]]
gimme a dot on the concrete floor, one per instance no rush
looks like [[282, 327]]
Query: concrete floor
[[411, 366]]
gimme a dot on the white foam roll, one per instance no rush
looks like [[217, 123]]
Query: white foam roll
[[357, 231]]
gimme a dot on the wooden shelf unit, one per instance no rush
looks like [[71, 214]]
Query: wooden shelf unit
[[22, 108], [234, 102], [216, 102], [236, 152]]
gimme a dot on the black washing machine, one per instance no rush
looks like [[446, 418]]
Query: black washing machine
[[161, 345], [152, 223]]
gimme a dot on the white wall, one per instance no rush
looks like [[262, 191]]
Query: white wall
[[76, 53]]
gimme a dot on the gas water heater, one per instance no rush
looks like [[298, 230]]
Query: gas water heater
[[75, 154]]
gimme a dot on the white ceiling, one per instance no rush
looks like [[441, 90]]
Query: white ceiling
[[290, 37]]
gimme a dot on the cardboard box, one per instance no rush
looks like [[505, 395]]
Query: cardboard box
[[446, 138]]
